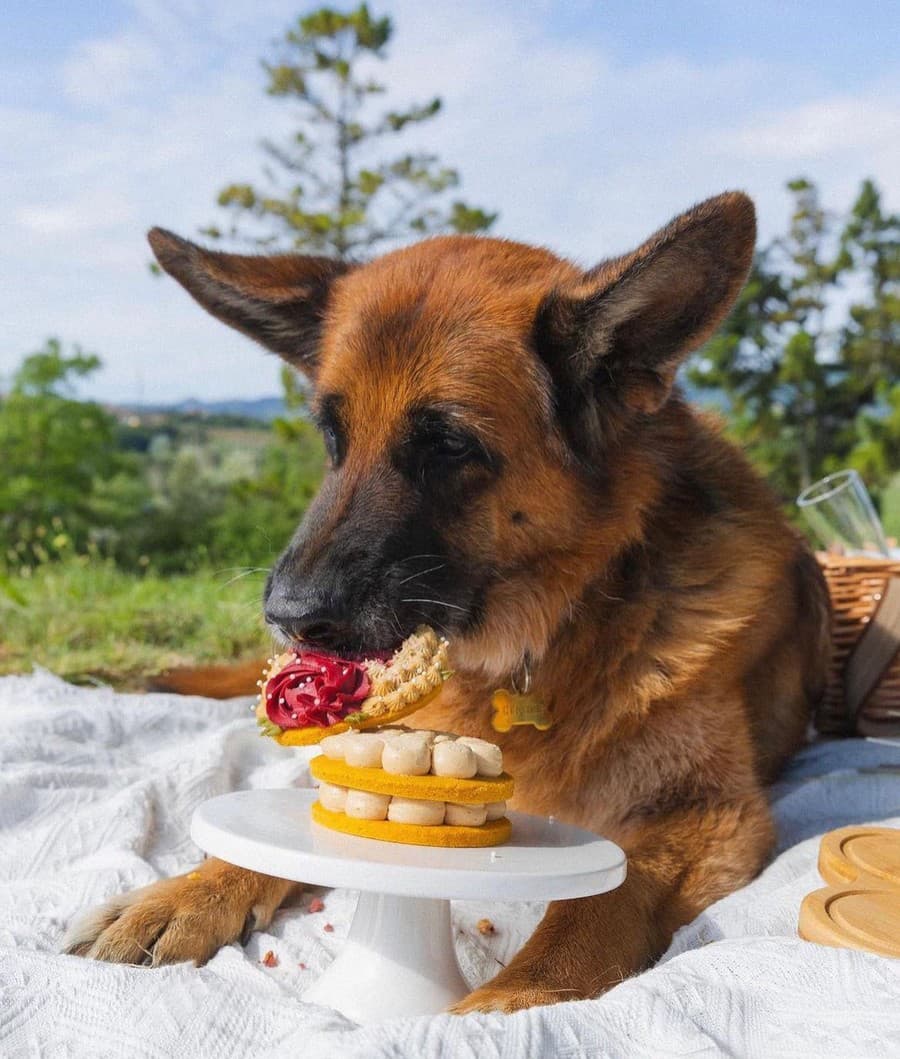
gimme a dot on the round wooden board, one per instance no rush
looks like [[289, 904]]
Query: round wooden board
[[861, 910], [849, 853]]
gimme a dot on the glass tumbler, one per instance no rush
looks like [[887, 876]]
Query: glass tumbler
[[840, 512]]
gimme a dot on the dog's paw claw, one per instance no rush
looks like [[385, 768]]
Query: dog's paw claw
[[84, 931]]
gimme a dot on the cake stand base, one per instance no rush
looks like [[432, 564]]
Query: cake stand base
[[398, 960], [399, 957]]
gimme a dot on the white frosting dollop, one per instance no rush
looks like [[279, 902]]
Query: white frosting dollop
[[364, 805], [407, 755], [495, 810], [465, 815], [362, 749], [332, 797], [488, 755], [453, 759], [416, 811], [333, 745]]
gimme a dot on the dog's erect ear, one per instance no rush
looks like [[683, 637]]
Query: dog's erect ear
[[627, 325], [278, 300]]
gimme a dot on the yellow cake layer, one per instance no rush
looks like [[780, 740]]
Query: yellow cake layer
[[491, 833], [311, 736], [428, 788]]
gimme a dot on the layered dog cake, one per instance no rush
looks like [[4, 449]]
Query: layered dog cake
[[414, 787], [378, 779]]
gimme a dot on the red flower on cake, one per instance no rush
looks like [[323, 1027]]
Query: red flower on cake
[[315, 690]]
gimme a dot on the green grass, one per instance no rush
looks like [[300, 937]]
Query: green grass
[[88, 621]]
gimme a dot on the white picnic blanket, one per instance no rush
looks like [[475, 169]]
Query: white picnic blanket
[[96, 793]]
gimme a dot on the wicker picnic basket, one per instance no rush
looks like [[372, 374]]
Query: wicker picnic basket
[[863, 691]]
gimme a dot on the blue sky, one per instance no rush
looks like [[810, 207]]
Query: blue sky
[[586, 124]]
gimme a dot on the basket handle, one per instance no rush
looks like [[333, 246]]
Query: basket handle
[[875, 650]]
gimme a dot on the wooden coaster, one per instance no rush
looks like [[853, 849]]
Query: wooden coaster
[[861, 907]]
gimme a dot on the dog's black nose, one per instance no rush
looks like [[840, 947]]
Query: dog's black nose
[[315, 625]]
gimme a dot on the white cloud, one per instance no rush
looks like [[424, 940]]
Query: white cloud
[[577, 150], [107, 71], [94, 210], [824, 127], [866, 126]]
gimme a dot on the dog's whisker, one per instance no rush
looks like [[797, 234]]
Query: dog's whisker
[[245, 569], [437, 602], [430, 570], [396, 622], [238, 577]]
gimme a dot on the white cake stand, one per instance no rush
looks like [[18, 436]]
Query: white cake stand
[[399, 957]]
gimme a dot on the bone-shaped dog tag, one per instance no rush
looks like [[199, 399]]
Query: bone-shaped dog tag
[[511, 709]]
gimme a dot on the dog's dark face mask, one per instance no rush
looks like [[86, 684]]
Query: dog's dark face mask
[[380, 551], [482, 404]]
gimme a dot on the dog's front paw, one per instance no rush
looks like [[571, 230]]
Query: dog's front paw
[[189, 917], [514, 996]]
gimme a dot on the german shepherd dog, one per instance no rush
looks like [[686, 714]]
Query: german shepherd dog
[[510, 462]]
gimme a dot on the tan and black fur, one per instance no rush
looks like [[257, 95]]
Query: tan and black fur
[[511, 464]]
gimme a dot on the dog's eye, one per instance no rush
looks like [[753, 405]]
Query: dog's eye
[[334, 442], [329, 436], [453, 448], [437, 446], [327, 417]]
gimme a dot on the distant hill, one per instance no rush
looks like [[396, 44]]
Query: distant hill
[[265, 409]]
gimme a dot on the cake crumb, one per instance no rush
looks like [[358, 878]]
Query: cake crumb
[[302, 966], [316, 905], [269, 960], [328, 928], [485, 926]]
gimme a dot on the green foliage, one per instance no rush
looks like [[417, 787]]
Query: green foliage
[[870, 340], [262, 512], [172, 495], [57, 454], [329, 189], [806, 396], [50, 372]]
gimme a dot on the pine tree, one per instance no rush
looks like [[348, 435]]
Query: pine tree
[[870, 340], [811, 392], [336, 187], [774, 358]]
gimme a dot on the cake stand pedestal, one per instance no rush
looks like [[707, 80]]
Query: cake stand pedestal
[[399, 957]]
